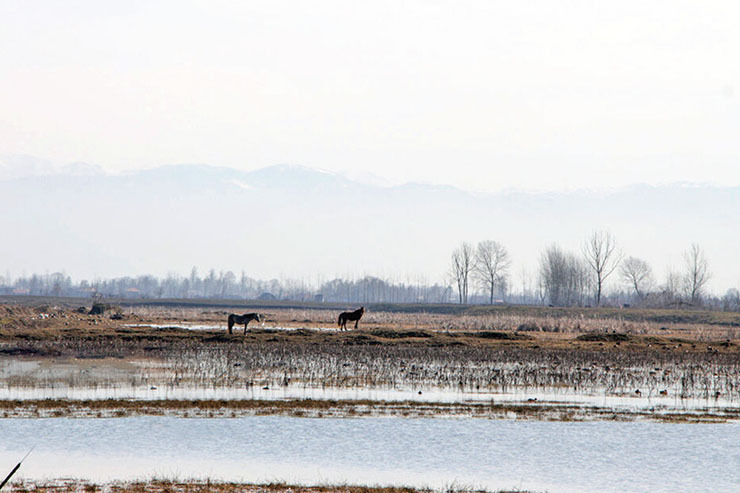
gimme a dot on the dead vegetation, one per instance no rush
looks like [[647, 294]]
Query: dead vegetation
[[490, 352], [324, 408], [164, 325], [360, 360], [193, 486]]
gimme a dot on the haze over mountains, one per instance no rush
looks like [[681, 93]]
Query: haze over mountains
[[297, 222]]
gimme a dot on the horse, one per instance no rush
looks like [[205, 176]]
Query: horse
[[243, 319], [355, 315]]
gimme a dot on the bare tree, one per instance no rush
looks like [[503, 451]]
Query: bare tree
[[462, 266], [553, 267], [697, 273], [563, 277], [638, 274], [670, 291], [525, 280], [731, 300], [600, 251], [491, 266]]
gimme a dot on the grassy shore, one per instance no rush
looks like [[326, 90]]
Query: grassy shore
[[661, 316], [172, 486], [577, 330], [311, 408]]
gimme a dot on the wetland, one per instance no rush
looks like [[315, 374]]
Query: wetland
[[496, 376]]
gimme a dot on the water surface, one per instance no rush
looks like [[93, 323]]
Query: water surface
[[492, 454]]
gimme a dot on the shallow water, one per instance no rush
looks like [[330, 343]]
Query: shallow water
[[492, 454], [143, 380], [544, 396]]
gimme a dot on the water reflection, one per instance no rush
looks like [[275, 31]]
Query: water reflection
[[552, 456], [412, 394]]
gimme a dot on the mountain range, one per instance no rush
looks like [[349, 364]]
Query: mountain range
[[297, 222]]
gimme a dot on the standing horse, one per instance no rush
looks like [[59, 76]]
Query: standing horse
[[243, 319], [355, 315]]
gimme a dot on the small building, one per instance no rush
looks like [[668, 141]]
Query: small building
[[132, 293]]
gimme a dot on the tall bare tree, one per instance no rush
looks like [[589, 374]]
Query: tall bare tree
[[525, 280], [463, 259], [671, 289], [600, 251], [491, 266], [697, 273], [638, 274], [563, 277]]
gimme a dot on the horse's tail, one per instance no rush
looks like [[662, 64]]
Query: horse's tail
[[231, 322], [339, 320]]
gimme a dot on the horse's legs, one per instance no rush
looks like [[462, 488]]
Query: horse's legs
[[357, 322]]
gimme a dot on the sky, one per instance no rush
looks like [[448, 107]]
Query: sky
[[481, 95]]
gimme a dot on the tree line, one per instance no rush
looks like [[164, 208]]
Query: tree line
[[227, 285], [477, 274], [566, 278]]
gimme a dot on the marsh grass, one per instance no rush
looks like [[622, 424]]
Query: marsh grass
[[494, 351], [552, 322], [699, 325], [504, 367], [311, 408], [202, 486], [463, 368]]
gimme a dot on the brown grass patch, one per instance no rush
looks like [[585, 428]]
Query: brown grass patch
[[167, 486]]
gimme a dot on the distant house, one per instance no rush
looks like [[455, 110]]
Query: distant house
[[319, 298], [21, 291], [266, 297], [132, 293]]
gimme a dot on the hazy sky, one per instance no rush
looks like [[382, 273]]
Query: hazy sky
[[483, 95]]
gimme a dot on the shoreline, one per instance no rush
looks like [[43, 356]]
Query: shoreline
[[317, 409], [188, 486]]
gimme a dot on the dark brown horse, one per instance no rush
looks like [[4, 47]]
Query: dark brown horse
[[243, 319], [355, 315]]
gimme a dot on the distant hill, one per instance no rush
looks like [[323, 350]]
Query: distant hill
[[299, 222]]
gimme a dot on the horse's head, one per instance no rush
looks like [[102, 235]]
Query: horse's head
[[362, 309]]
